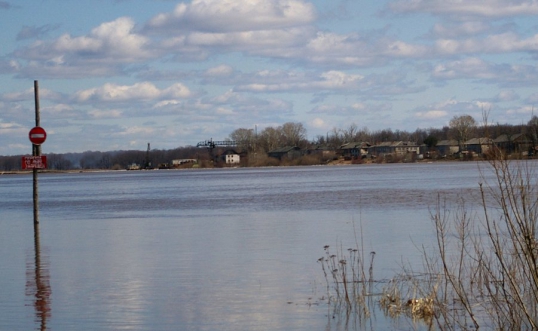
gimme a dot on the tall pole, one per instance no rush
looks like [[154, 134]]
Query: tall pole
[[36, 151]]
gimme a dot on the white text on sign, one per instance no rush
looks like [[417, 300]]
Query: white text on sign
[[34, 162]]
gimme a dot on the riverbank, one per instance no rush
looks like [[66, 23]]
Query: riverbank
[[337, 162]]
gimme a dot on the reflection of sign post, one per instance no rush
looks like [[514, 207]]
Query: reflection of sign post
[[34, 162]]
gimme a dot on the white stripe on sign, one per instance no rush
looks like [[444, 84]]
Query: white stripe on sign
[[37, 135]]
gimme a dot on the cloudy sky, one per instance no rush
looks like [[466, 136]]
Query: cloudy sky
[[117, 74]]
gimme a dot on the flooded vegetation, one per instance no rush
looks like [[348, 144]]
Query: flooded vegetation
[[482, 272]]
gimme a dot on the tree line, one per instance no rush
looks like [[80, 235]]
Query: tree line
[[248, 140], [460, 128]]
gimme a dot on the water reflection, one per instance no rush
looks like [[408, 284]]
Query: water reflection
[[38, 289], [169, 250]]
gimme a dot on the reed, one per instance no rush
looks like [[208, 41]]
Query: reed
[[349, 279], [482, 272]]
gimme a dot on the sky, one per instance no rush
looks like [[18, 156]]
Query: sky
[[119, 74]]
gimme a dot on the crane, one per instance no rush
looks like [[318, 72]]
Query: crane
[[212, 144], [147, 162]]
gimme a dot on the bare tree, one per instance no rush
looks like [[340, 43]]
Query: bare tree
[[269, 139], [350, 132], [363, 135], [293, 134], [462, 127], [336, 139], [244, 138], [58, 162], [532, 129]]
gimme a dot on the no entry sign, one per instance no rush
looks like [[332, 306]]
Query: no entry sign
[[37, 135]]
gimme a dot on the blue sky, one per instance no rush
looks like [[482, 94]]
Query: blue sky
[[117, 74]]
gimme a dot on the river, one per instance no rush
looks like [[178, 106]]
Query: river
[[209, 249]]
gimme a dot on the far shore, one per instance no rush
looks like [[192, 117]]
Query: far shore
[[339, 162]]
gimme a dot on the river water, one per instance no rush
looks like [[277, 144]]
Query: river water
[[218, 249]]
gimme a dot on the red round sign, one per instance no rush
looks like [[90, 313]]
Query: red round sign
[[37, 135]]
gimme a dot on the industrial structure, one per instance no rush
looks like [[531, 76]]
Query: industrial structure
[[211, 145]]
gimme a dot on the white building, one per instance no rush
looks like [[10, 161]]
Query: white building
[[232, 158]]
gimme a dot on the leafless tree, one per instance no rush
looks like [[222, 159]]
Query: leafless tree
[[350, 132], [363, 134], [293, 134], [532, 129], [245, 139], [462, 127], [269, 139]]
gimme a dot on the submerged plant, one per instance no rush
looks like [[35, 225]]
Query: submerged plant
[[482, 273], [348, 286]]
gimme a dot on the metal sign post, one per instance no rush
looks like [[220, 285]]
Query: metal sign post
[[36, 152], [37, 136]]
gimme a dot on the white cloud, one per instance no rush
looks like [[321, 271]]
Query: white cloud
[[333, 81], [29, 94], [431, 114], [504, 74], [219, 71], [355, 109], [100, 114], [468, 67], [166, 103], [113, 41], [8, 127], [505, 95], [60, 108], [527, 110], [318, 123], [224, 111], [448, 108], [339, 79], [483, 105], [481, 8], [268, 28], [177, 90], [460, 29], [244, 105], [139, 91], [533, 98], [136, 130], [330, 80], [268, 42], [356, 49], [235, 15], [105, 51]]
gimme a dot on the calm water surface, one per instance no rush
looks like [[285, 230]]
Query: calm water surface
[[222, 249]]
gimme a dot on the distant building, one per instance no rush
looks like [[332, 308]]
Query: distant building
[[289, 152], [230, 157], [399, 148], [133, 166], [233, 158], [406, 147], [324, 151], [478, 145], [447, 147], [515, 143], [354, 150], [178, 162]]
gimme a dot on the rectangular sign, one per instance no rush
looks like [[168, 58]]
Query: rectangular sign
[[34, 162]]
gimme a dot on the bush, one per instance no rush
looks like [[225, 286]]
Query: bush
[[483, 271], [488, 264], [262, 160]]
